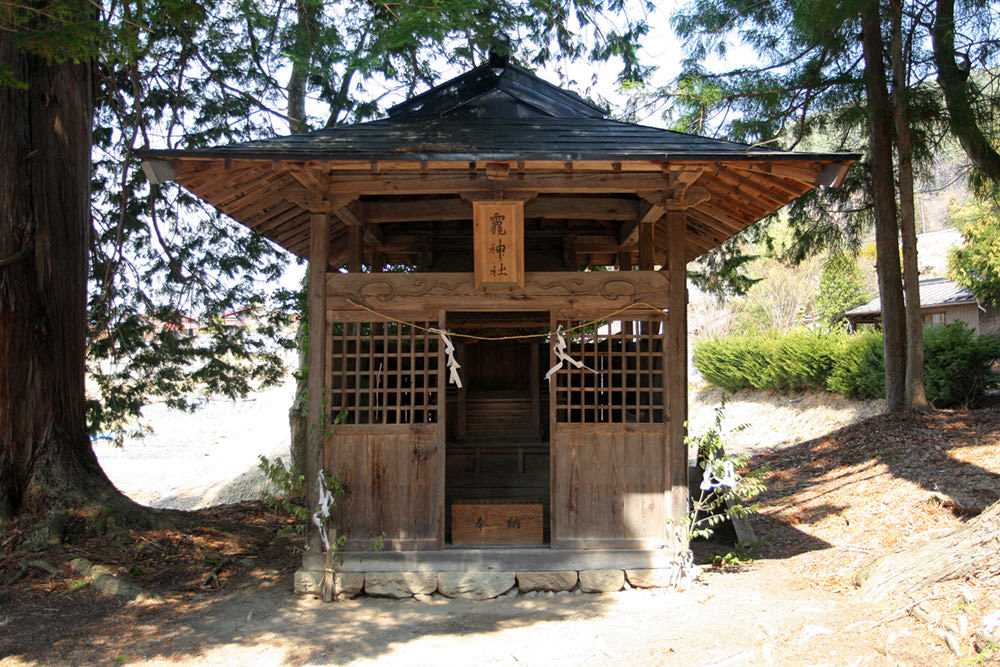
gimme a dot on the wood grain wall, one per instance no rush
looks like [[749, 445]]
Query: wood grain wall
[[608, 486], [395, 484]]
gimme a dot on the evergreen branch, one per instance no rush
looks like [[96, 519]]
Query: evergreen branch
[[235, 91]]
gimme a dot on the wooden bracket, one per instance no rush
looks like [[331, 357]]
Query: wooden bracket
[[684, 180], [310, 179], [628, 235], [668, 201], [493, 195], [497, 171]]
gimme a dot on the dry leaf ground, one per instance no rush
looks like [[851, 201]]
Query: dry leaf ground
[[833, 502]]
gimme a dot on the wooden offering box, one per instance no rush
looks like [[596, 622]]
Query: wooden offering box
[[496, 521]]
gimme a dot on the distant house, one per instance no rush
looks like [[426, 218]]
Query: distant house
[[237, 318], [941, 301], [185, 324]]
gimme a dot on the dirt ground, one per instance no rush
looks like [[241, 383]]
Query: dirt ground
[[832, 503]]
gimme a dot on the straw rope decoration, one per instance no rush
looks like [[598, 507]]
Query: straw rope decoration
[[637, 304], [560, 350]]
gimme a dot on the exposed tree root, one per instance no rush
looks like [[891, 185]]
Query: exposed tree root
[[972, 550]]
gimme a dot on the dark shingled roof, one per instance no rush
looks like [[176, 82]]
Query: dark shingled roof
[[496, 89], [496, 112], [933, 292], [496, 139], [442, 142]]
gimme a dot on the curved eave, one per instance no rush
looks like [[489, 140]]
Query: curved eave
[[272, 196], [496, 155]]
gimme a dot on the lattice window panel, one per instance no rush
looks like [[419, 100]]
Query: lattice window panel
[[628, 387], [384, 373]]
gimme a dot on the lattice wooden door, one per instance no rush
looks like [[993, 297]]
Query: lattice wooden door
[[386, 383], [609, 436]]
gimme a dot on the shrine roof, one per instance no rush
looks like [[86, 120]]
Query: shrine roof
[[496, 128]]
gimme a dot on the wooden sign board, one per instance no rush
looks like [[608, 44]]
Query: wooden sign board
[[498, 238], [496, 522]]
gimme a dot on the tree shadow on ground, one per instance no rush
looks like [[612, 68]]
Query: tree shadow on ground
[[806, 480], [264, 614]]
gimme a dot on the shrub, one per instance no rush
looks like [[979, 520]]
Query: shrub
[[858, 370], [957, 366], [795, 360], [806, 358], [720, 362], [957, 370]]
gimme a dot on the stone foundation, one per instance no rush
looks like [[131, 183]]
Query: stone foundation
[[483, 585]]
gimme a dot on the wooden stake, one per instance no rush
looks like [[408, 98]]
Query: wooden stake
[[316, 421], [676, 344]]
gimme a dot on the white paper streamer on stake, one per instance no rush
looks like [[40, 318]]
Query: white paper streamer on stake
[[322, 512], [453, 365], [561, 356]]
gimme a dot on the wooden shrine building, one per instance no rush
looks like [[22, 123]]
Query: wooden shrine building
[[496, 192]]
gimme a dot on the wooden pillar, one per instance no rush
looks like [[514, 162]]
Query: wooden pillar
[[676, 347], [536, 394], [624, 260], [316, 420], [646, 246], [354, 250]]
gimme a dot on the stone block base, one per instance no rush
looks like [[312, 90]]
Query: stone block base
[[474, 585], [481, 585], [546, 581], [601, 581], [308, 582]]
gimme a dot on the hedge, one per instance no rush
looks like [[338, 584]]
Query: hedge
[[794, 360], [957, 367]]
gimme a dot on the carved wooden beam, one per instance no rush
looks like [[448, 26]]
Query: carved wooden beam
[[497, 171], [668, 201], [310, 179], [543, 206], [492, 195], [598, 292], [449, 183], [352, 214]]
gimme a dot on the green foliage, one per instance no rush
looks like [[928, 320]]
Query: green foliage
[[291, 493], [57, 31], [802, 86], [975, 265], [290, 499], [859, 368], [77, 584], [726, 489], [719, 360], [741, 554], [186, 74], [795, 360], [841, 287], [959, 364]]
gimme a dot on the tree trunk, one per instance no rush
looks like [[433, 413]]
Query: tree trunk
[[46, 460], [301, 55], [298, 433], [884, 201], [972, 550], [954, 82], [915, 396]]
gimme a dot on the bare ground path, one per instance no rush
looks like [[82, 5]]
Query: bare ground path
[[833, 502], [755, 617]]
